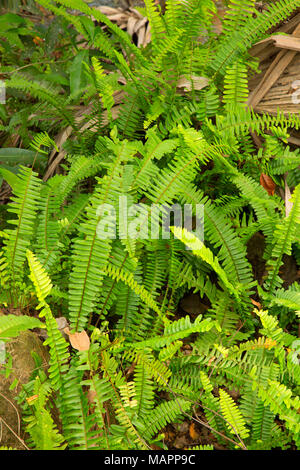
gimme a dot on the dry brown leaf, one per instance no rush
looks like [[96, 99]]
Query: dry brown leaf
[[51, 168], [61, 323], [287, 197], [55, 158], [256, 304], [193, 432], [131, 25], [130, 19], [267, 183], [106, 10], [147, 36], [79, 341], [195, 83], [54, 161], [37, 40], [119, 17]]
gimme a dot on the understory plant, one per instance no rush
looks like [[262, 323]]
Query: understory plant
[[181, 134]]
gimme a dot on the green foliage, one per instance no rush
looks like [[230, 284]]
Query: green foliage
[[11, 325]]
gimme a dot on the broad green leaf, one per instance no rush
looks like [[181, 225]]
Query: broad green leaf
[[76, 71]]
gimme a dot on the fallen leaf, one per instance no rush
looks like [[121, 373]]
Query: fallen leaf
[[267, 183], [107, 10], [79, 341], [31, 399], [140, 24], [211, 360]]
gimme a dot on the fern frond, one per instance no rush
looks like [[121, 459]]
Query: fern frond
[[237, 42], [171, 411], [204, 253], [284, 236], [12, 325], [90, 254], [176, 330]]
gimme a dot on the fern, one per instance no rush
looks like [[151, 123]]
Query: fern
[[58, 346], [235, 85]]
